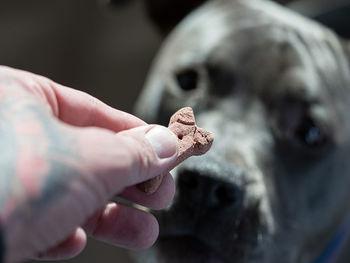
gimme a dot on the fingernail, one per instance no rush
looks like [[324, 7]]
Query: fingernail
[[163, 141]]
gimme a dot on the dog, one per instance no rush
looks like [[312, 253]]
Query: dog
[[273, 87]]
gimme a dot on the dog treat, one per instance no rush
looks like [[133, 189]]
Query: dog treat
[[192, 141]]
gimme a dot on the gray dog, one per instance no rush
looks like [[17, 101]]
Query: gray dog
[[273, 87]]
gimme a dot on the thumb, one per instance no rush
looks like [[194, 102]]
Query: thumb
[[105, 164], [116, 161]]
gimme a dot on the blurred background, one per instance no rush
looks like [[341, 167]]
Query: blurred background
[[106, 50], [101, 49]]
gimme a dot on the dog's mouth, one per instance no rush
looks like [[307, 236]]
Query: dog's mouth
[[210, 220], [187, 249], [183, 240]]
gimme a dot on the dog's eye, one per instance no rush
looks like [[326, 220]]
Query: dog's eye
[[310, 134], [187, 79]]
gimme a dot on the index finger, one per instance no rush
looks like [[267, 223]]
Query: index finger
[[81, 109], [71, 106]]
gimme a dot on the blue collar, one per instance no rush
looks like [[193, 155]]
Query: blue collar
[[335, 246]]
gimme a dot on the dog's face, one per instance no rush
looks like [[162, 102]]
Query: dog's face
[[273, 87]]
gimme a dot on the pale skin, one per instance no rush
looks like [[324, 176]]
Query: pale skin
[[65, 154]]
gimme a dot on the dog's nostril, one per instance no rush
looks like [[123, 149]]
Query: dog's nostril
[[214, 192], [226, 194], [188, 180]]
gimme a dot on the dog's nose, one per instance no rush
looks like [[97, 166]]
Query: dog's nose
[[209, 191]]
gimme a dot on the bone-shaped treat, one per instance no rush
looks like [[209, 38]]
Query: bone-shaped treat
[[192, 141]]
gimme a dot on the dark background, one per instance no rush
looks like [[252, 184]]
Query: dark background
[[97, 48], [100, 49], [92, 46]]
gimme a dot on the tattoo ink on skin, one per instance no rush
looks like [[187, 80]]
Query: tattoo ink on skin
[[37, 159]]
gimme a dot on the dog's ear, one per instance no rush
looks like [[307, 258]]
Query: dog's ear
[[336, 19], [284, 2], [165, 14]]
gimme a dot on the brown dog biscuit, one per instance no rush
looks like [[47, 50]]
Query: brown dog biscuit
[[192, 141]]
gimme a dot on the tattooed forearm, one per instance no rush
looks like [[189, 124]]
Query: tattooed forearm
[[33, 152], [37, 161]]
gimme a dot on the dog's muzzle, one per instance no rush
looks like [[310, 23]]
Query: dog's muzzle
[[209, 213]]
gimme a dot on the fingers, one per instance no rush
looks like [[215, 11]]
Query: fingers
[[69, 248], [120, 160], [123, 226], [115, 224], [80, 109], [71, 106], [158, 200]]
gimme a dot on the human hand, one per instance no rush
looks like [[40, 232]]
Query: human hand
[[64, 155]]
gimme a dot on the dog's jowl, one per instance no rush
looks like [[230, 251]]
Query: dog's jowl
[[273, 87]]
